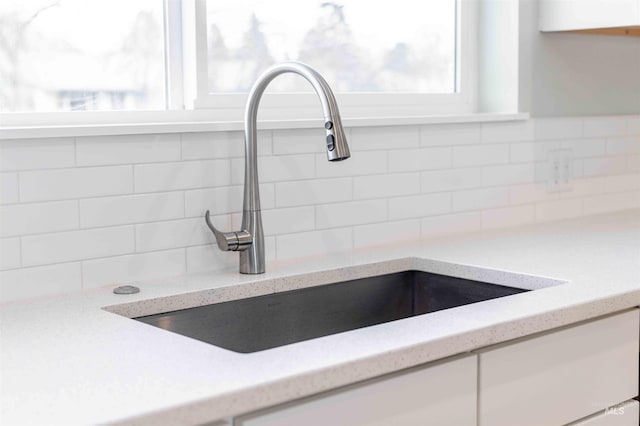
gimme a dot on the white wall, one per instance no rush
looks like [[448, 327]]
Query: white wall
[[565, 74], [89, 211]]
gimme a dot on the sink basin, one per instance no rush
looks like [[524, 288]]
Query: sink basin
[[265, 322]]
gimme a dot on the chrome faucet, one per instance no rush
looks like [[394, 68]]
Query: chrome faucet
[[249, 241]]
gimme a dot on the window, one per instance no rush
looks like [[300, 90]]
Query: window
[[359, 46], [79, 55], [413, 58]]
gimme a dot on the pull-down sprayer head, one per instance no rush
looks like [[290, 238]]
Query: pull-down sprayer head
[[337, 147], [336, 143]]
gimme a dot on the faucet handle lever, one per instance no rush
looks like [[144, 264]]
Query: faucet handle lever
[[229, 241]]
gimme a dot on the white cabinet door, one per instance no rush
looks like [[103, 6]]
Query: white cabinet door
[[557, 378], [442, 394], [622, 415], [570, 15]]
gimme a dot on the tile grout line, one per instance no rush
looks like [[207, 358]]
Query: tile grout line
[[20, 254], [75, 152], [18, 188], [82, 283]]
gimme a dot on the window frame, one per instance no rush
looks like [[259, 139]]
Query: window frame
[[176, 83], [172, 60], [188, 100]]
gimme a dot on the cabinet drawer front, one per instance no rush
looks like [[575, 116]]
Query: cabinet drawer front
[[442, 394], [562, 376], [626, 414]]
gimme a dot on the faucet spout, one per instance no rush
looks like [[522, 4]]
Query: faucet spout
[[252, 252]]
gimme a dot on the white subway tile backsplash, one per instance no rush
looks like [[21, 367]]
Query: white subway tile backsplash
[[450, 134], [577, 169], [633, 163], [385, 233], [284, 221], [379, 186], [132, 268], [8, 188], [277, 168], [302, 141], [139, 201], [77, 245], [209, 258], [607, 203], [317, 191], [477, 199], [177, 233], [210, 145], [9, 253], [633, 125], [75, 183], [530, 152], [480, 155], [384, 138], [314, 243], [558, 128], [224, 200], [508, 217], [583, 187], [106, 150], [35, 154], [350, 213], [597, 127], [509, 131], [582, 148], [459, 223], [452, 179], [181, 175], [559, 209], [409, 160], [623, 146], [529, 193], [605, 166], [126, 209], [509, 174], [36, 218], [621, 183], [417, 206], [40, 281], [360, 164]]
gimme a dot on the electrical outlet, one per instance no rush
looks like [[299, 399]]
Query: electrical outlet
[[559, 170]]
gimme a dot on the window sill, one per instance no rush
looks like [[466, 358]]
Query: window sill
[[183, 126]]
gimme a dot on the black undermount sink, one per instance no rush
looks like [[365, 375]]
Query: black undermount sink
[[265, 322]]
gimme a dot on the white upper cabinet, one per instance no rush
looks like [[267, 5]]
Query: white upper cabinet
[[621, 17]]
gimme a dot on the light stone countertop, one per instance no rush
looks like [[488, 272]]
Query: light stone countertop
[[66, 360]]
